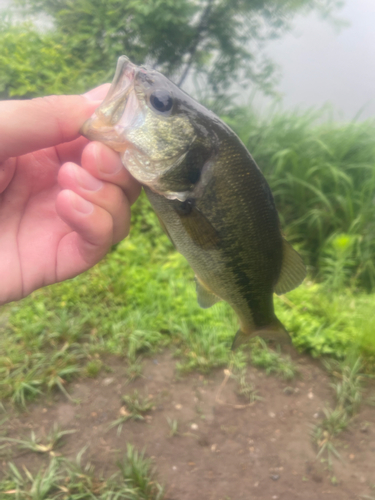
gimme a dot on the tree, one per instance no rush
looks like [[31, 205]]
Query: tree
[[219, 39], [33, 63]]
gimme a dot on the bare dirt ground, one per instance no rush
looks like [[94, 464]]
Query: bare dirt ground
[[224, 449]]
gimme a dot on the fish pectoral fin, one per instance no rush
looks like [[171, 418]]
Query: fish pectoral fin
[[205, 297], [164, 228], [200, 230], [274, 332], [293, 270]]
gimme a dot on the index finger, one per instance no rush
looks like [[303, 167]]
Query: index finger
[[29, 125]]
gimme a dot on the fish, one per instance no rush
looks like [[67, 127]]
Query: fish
[[210, 196]]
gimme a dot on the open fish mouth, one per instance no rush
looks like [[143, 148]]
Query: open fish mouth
[[119, 111]]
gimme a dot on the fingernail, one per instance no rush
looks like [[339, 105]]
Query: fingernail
[[81, 205], [87, 181], [108, 167]]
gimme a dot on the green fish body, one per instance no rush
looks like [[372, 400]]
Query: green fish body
[[210, 196]]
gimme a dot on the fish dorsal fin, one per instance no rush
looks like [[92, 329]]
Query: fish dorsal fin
[[293, 270], [205, 297]]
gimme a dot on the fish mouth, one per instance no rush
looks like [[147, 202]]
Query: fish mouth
[[118, 111]]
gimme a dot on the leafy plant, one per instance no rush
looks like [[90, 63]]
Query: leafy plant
[[272, 361], [61, 478], [52, 440]]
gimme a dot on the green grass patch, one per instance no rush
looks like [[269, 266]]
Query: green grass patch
[[272, 361], [140, 299], [326, 323], [61, 478], [347, 383]]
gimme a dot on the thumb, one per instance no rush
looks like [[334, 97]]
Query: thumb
[[29, 125]]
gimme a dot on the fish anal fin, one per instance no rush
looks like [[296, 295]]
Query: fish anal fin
[[274, 332], [293, 270], [205, 297]]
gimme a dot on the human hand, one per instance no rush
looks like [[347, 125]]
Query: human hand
[[63, 201]]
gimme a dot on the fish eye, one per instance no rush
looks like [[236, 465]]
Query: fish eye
[[161, 100]]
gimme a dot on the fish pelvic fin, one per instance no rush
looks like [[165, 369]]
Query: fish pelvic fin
[[292, 272], [274, 332], [205, 297]]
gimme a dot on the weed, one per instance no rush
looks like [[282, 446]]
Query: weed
[[93, 368], [272, 361], [136, 406], [201, 351], [348, 389], [245, 389], [43, 485], [71, 480], [173, 426], [134, 369], [324, 434], [52, 441], [137, 473]]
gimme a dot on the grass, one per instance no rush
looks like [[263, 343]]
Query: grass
[[141, 297], [136, 406], [347, 385], [272, 362], [173, 427], [51, 442], [245, 389], [136, 470], [63, 479]]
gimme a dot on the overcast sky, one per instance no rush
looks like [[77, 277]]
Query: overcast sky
[[320, 65]]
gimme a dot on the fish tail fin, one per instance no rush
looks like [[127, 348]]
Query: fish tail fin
[[274, 332]]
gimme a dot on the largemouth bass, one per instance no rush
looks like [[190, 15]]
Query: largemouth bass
[[210, 196]]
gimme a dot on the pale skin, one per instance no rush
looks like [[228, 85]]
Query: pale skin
[[64, 201]]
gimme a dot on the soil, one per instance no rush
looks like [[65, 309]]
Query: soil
[[224, 449]]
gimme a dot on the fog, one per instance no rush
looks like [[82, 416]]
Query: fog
[[320, 64]]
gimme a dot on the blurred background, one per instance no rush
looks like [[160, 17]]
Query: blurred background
[[295, 79]]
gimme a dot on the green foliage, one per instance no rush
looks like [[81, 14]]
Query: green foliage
[[348, 392], [137, 404], [93, 368], [322, 176], [52, 441], [219, 41], [34, 63], [61, 478], [142, 298], [137, 472], [349, 382], [329, 324], [272, 361]]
